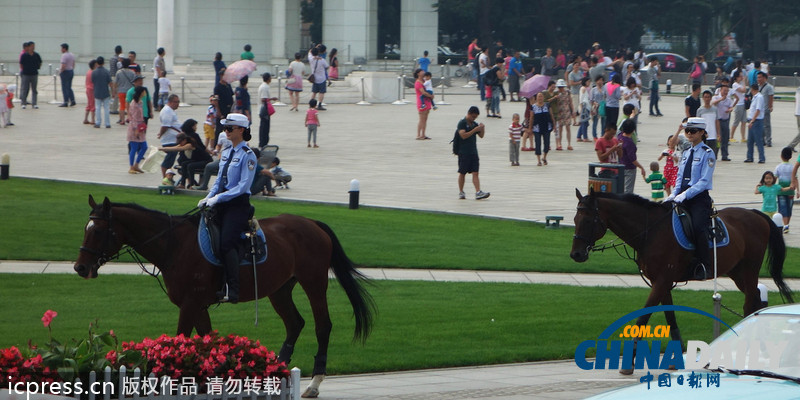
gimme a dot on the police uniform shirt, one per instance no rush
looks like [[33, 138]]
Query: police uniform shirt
[[703, 163], [240, 173]]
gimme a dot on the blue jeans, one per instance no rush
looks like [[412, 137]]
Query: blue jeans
[[481, 87], [602, 120], [755, 136], [495, 105], [724, 136], [583, 130], [101, 110], [785, 204], [66, 86]]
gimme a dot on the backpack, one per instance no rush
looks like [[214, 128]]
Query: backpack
[[456, 142], [748, 98], [490, 79]]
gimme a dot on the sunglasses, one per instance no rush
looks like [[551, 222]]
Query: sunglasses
[[692, 130], [230, 128]]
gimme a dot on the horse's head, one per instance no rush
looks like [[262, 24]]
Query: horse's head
[[589, 227], [100, 241]]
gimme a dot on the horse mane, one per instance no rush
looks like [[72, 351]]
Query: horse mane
[[158, 214], [633, 199]]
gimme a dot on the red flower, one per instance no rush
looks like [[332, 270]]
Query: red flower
[[48, 316]]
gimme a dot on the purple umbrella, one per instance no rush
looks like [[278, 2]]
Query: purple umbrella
[[534, 85]]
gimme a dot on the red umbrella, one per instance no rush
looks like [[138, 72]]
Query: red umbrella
[[238, 70], [534, 85]]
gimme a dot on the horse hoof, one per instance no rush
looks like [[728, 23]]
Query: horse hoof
[[626, 371], [310, 393]]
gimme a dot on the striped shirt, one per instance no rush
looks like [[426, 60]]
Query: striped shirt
[[656, 181], [515, 132]]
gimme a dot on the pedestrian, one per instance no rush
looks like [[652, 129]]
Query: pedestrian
[[628, 158], [768, 91], [424, 103], [692, 102], [242, 98], [613, 94], [514, 135], [247, 54], [695, 180], [318, 67], [224, 93], [608, 150], [164, 87], [769, 192], [585, 110], [598, 99], [670, 168], [548, 63], [114, 65], [10, 103], [725, 103], [210, 124], [783, 173], [515, 74], [709, 113], [89, 94], [739, 89], [657, 182], [137, 131], [655, 74], [484, 66], [755, 125], [333, 69], [312, 122], [159, 67], [424, 62], [564, 116], [540, 124], [494, 78], [219, 67], [29, 64], [101, 79], [294, 84], [230, 197], [170, 128], [67, 72], [473, 50], [123, 82], [264, 113], [468, 131]]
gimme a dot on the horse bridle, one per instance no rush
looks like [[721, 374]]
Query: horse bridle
[[596, 222], [102, 256]]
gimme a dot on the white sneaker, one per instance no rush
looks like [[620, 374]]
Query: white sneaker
[[461, 196], [480, 195]]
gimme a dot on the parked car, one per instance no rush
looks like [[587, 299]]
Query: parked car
[[445, 51], [781, 380], [668, 61]]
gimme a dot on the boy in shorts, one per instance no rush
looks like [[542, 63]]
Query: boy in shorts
[[211, 121], [468, 162]]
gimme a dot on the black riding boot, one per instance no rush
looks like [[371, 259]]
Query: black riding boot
[[231, 277]]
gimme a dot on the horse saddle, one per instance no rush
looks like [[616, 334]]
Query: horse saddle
[[684, 234], [208, 237]]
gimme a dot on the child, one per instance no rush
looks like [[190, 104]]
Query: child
[[629, 155], [282, 178], [628, 112], [428, 88], [211, 121], [657, 182], [784, 174], [164, 87], [769, 192], [169, 178], [3, 106], [514, 134], [585, 107], [9, 103], [243, 98], [670, 169], [312, 122]]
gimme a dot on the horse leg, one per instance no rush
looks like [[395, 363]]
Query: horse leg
[[292, 320], [657, 291], [747, 282], [191, 317], [674, 331], [322, 322]]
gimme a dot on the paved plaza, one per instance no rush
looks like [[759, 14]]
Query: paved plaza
[[375, 144]]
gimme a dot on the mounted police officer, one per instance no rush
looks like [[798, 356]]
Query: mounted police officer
[[230, 195], [694, 181]]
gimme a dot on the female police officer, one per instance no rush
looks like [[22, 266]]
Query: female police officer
[[231, 197], [694, 182]]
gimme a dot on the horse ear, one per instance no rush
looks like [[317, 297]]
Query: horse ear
[[106, 204], [92, 203], [578, 194]]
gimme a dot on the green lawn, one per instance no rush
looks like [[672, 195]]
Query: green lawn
[[419, 324], [45, 220]]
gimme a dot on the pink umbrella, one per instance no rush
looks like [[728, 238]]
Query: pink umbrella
[[238, 70], [534, 85]]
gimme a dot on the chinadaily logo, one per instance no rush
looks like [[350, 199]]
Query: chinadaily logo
[[621, 351]]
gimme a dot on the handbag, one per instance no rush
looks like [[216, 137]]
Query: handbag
[[270, 108], [313, 70], [601, 110], [142, 127]]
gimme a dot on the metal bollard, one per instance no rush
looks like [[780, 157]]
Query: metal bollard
[[669, 86], [184, 103], [16, 82], [354, 194], [443, 87], [5, 164], [3, 69], [55, 88], [50, 69], [686, 88], [717, 310], [363, 101], [399, 101], [279, 103]]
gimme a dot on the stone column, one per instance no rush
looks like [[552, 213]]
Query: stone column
[[278, 51], [352, 23], [165, 36], [86, 50], [419, 27], [182, 32]]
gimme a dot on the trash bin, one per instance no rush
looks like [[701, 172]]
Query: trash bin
[[610, 180]]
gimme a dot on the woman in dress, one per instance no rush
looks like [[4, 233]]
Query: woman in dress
[[333, 71], [565, 113], [89, 94], [137, 131], [541, 123], [423, 107], [295, 82]]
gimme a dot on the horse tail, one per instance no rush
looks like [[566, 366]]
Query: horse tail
[[349, 277], [776, 257]]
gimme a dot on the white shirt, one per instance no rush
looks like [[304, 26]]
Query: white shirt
[[223, 141], [318, 67], [710, 115], [263, 91], [739, 95], [756, 104], [169, 118], [483, 61]]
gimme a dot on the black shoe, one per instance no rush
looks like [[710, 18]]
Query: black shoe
[[73, 104], [761, 162], [725, 159], [63, 105], [114, 112], [748, 161]]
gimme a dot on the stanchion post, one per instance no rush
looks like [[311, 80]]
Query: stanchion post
[[363, 101], [355, 191], [443, 87], [279, 103], [16, 82], [184, 103], [55, 87], [399, 101], [717, 309], [5, 164], [3, 69]]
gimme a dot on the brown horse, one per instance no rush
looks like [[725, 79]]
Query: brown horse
[[300, 251], [647, 228]]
